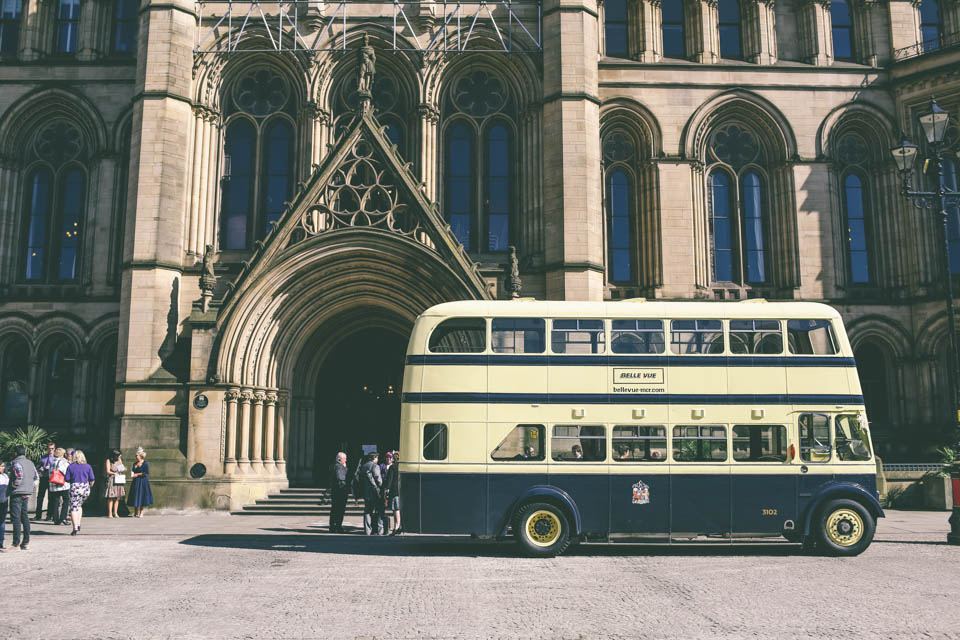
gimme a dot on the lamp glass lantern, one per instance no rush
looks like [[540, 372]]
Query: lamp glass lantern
[[904, 155], [934, 123]]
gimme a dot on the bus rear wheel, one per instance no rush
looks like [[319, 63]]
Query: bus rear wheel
[[844, 528], [542, 529]]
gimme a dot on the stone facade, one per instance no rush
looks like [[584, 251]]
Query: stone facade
[[124, 153]]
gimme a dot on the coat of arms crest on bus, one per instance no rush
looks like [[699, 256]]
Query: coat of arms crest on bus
[[641, 493]]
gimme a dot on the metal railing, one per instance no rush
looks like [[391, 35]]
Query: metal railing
[[944, 41]]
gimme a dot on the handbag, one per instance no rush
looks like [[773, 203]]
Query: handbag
[[56, 477], [119, 478]]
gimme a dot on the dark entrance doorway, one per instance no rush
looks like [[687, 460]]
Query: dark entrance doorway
[[358, 398]]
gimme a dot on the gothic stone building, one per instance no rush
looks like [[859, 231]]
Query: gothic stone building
[[674, 149]]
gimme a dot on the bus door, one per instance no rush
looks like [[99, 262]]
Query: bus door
[[699, 481], [816, 452], [640, 480], [763, 480], [578, 466]]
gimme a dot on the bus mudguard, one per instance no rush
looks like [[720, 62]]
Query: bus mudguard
[[841, 489], [553, 494]]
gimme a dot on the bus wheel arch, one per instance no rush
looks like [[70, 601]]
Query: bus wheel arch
[[542, 527], [849, 492], [843, 527]]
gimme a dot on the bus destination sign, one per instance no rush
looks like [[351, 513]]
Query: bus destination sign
[[636, 380]]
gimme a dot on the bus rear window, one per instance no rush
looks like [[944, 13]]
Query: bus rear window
[[434, 441], [637, 336], [696, 336], [459, 335], [852, 438], [577, 336], [811, 337], [524, 442], [518, 335], [633, 443], [756, 337], [759, 443], [696, 443], [579, 443]]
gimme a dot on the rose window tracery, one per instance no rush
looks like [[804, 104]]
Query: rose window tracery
[[58, 143], [618, 147], [735, 146], [479, 94], [261, 93]]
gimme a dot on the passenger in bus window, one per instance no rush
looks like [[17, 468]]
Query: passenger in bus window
[[577, 452], [528, 453]]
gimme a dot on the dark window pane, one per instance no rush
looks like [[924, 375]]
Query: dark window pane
[[276, 180], [842, 30], [58, 385], [696, 336], [637, 336], [459, 335], [523, 443], [74, 192], [753, 227], [872, 369], [237, 185], [14, 378], [498, 188], [39, 185], [671, 15], [729, 23], [459, 181], [434, 442], [760, 443], [68, 25], [395, 134], [619, 187], [811, 337], [720, 227], [518, 335], [931, 25], [856, 228], [9, 25], [125, 32], [615, 28]]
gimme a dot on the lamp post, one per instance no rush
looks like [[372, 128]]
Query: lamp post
[[934, 123]]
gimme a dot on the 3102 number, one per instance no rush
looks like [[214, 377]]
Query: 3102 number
[[769, 512]]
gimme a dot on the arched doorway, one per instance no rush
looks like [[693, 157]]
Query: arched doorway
[[358, 397]]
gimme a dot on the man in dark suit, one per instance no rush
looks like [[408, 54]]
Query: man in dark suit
[[372, 484], [338, 490]]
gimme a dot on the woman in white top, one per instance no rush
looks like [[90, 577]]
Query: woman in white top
[[59, 493], [4, 499]]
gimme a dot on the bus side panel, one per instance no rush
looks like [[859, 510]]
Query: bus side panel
[[629, 513], [809, 483], [701, 503], [586, 490], [453, 502], [504, 489], [763, 502], [410, 501]]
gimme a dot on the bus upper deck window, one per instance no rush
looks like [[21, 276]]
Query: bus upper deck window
[[759, 443], [852, 438], [696, 336], [699, 443], [633, 443], [811, 337], [637, 336], [459, 335], [577, 336], [518, 335], [815, 437], [756, 337], [579, 443], [434, 441], [523, 443]]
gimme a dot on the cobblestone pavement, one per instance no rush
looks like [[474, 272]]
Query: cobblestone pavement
[[207, 575]]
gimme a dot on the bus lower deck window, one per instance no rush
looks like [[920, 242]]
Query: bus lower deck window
[[434, 441], [699, 443], [579, 443], [523, 443], [811, 337], [637, 336], [759, 443], [633, 443]]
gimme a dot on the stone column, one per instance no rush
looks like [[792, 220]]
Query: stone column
[[702, 35], [759, 32], [90, 36], [644, 30], [283, 402], [429, 117], [101, 219], [243, 459], [320, 121], [815, 36], [9, 230], [530, 227], [269, 431], [37, 23], [573, 216], [230, 448], [864, 36], [256, 458]]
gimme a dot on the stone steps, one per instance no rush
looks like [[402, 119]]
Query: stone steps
[[300, 501]]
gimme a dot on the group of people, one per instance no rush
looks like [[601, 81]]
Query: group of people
[[66, 480], [379, 486]]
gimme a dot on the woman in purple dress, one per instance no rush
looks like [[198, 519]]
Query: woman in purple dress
[[140, 496], [80, 476]]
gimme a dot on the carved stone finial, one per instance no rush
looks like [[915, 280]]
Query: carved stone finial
[[368, 61], [514, 284], [208, 279]]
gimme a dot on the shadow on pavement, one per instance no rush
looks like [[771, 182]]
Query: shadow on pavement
[[446, 546]]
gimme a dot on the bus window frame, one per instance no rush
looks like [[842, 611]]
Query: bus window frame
[[604, 333], [668, 338], [729, 340], [544, 456], [606, 443], [664, 334], [547, 323], [486, 336], [786, 452], [830, 434], [834, 336], [726, 440], [666, 443]]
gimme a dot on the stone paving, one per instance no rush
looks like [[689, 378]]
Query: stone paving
[[210, 575]]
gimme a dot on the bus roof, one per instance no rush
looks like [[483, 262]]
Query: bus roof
[[753, 308]]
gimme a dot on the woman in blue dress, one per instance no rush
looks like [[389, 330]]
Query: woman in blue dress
[[140, 496]]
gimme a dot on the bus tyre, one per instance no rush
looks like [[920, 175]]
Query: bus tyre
[[542, 529], [844, 528]]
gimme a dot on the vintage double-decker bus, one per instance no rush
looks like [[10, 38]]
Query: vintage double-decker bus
[[634, 420]]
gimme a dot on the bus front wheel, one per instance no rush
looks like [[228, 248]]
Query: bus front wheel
[[542, 529], [844, 528]]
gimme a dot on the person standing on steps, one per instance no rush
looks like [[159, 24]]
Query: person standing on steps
[[338, 492], [372, 482]]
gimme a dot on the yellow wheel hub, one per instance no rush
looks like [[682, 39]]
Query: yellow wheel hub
[[542, 528], [845, 527]]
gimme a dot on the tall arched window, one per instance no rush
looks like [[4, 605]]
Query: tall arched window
[[619, 156], [479, 173], [259, 152], [125, 23], [671, 21], [68, 25], [58, 372], [854, 207], [10, 12], [951, 181], [931, 24], [615, 28], [728, 17], [842, 28], [14, 381], [872, 369], [55, 197], [737, 206]]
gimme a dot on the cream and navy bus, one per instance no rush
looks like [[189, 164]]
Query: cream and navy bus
[[560, 422]]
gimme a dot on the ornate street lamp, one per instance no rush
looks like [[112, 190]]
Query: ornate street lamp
[[934, 123]]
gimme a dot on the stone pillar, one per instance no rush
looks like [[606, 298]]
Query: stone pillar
[[243, 457], [283, 402], [864, 35], [101, 220], [256, 458], [702, 35], [320, 121], [644, 31], [815, 35], [269, 432], [230, 448], [37, 24], [759, 31], [91, 29], [530, 242], [429, 117], [573, 216], [9, 230]]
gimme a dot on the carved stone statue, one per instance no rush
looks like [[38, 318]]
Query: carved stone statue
[[208, 279], [208, 257], [514, 283], [368, 60]]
